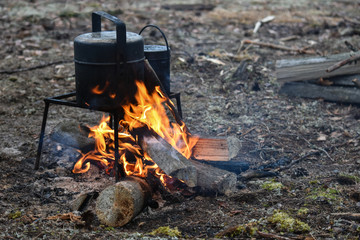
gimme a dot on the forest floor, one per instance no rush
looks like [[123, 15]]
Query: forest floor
[[311, 146]]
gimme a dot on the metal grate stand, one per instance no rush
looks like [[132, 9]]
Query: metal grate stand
[[115, 118]]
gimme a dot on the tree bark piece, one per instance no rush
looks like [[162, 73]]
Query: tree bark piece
[[118, 204], [329, 93], [313, 68]]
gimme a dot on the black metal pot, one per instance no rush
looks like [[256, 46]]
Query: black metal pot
[[159, 59], [107, 63]]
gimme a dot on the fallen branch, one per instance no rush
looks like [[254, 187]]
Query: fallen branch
[[349, 216], [299, 160], [280, 47], [328, 93], [344, 62], [34, 67], [313, 68]]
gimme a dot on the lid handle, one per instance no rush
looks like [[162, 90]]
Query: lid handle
[[162, 33], [120, 32]]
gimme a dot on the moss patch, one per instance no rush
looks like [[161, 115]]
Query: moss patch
[[330, 195], [286, 223], [166, 231], [14, 215], [243, 230], [272, 185]]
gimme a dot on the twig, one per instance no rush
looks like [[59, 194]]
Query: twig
[[280, 47], [299, 160], [273, 236], [34, 67], [344, 62], [348, 215], [318, 148], [352, 21], [351, 47]]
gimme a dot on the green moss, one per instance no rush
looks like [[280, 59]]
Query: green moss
[[14, 215], [330, 195], [166, 231], [352, 177], [314, 182], [286, 223], [244, 230], [272, 185], [302, 211]]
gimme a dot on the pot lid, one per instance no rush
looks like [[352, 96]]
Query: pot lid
[[100, 47]]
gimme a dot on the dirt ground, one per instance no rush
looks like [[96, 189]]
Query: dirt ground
[[310, 147]]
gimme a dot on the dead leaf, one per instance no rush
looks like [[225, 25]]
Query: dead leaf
[[347, 134], [67, 216], [335, 134], [335, 118], [324, 82], [322, 137]]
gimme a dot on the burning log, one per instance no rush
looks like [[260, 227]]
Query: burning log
[[170, 161], [120, 203], [209, 178]]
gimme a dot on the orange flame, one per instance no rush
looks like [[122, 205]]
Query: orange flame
[[151, 112], [148, 111], [97, 90]]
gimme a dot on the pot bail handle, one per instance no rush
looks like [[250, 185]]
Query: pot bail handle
[[120, 32], [162, 33]]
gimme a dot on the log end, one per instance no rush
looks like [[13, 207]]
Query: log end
[[120, 203]]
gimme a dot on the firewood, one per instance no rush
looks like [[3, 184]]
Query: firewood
[[209, 178], [329, 93], [344, 80], [216, 149], [313, 68], [120, 203], [169, 160], [214, 180]]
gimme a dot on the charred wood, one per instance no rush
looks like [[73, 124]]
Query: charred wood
[[329, 93], [72, 134], [231, 166]]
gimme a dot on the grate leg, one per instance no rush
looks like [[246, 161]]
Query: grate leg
[[119, 168], [42, 133]]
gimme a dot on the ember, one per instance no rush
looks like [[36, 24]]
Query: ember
[[148, 111]]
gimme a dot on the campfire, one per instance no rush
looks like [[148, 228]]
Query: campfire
[[142, 139], [149, 113]]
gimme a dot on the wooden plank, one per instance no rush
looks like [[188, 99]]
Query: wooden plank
[[211, 149], [313, 68], [329, 93]]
